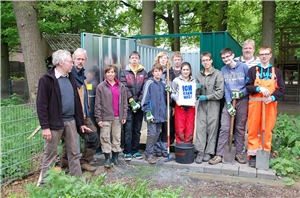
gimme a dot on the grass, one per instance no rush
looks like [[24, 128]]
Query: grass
[[18, 154]]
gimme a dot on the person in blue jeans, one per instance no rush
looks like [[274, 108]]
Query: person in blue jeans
[[133, 77], [154, 104]]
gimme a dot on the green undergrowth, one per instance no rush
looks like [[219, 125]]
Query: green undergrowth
[[286, 148], [14, 99], [59, 184]]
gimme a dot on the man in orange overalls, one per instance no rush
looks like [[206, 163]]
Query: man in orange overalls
[[264, 84]]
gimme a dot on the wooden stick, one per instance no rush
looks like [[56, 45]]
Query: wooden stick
[[34, 132], [168, 112]]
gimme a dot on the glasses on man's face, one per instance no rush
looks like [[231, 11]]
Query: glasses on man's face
[[69, 62], [205, 60], [225, 57], [265, 54]]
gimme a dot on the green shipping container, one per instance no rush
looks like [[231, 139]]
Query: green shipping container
[[212, 42]]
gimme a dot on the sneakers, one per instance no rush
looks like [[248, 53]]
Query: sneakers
[[88, 167], [137, 155], [165, 154], [206, 157], [128, 157], [158, 154], [199, 158], [215, 160], [239, 158], [252, 161]]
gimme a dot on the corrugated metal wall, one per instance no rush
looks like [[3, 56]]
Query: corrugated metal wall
[[214, 42], [194, 59], [105, 50], [148, 54]]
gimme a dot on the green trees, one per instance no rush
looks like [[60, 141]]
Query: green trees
[[242, 19]]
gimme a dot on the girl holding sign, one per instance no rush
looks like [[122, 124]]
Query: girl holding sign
[[184, 94], [210, 94]]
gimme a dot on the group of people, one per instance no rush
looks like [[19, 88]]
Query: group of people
[[244, 82]]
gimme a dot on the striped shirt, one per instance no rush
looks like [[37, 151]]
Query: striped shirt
[[253, 62]]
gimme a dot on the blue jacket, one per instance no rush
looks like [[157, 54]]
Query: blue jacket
[[234, 78], [155, 99]]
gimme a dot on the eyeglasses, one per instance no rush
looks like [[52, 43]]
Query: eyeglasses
[[206, 60], [69, 62], [225, 57], [265, 54]]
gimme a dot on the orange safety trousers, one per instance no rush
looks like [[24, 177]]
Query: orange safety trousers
[[255, 116]]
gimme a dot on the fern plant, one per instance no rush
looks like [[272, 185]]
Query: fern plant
[[286, 145]]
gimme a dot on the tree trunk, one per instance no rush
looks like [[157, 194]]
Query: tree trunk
[[148, 21], [205, 25], [268, 25], [176, 27], [4, 68], [26, 17], [170, 22], [222, 18]]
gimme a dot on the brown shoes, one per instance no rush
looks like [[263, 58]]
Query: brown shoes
[[240, 159], [88, 167], [215, 160]]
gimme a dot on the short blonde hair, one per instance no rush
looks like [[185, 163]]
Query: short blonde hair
[[177, 54], [249, 41]]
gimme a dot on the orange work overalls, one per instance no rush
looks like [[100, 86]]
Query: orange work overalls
[[255, 115]]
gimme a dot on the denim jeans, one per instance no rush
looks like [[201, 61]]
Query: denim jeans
[[161, 145], [153, 133], [132, 131]]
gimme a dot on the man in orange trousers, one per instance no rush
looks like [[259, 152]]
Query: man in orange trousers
[[264, 84]]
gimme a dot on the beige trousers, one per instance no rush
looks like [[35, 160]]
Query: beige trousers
[[110, 136]]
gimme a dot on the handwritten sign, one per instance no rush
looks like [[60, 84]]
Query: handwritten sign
[[187, 94]]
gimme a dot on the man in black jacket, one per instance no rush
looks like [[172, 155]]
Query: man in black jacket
[[60, 112]]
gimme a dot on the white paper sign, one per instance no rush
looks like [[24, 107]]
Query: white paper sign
[[187, 93]]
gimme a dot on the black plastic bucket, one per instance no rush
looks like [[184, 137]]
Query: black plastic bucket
[[184, 153]]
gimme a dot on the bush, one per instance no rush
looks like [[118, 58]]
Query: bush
[[13, 100], [286, 148], [58, 184]]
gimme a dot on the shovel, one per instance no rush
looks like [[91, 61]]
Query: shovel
[[262, 156], [230, 150], [168, 116]]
